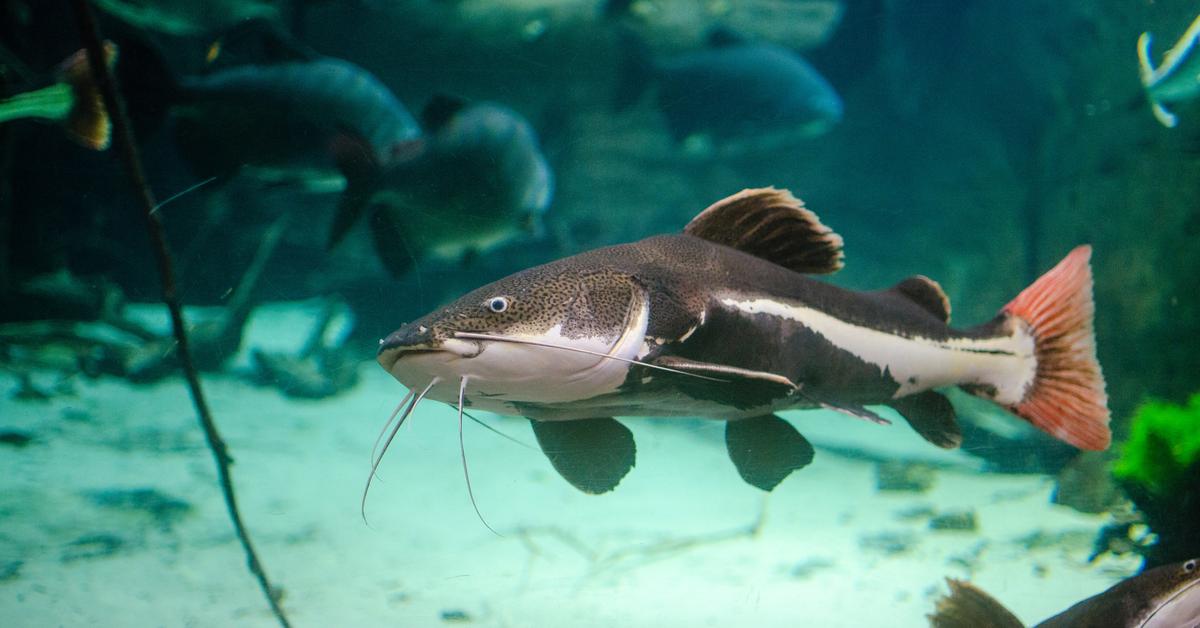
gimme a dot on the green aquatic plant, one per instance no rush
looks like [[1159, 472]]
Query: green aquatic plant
[[1163, 445]]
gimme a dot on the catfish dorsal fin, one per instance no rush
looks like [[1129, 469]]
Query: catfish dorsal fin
[[774, 225], [968, 606], [926, 293]]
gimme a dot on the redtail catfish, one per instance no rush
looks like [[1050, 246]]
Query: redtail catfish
[[1163, 597], [724, 321]]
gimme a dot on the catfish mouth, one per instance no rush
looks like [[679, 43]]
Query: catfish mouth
[[393, 348]]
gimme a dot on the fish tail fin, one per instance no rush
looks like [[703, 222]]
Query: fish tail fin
[[635, 70], [1163, 115], [1145, 67], [1067, 396], [363, 168], [967, 606], [360, 165], [47, 103], [87, 120], [1149, 76]]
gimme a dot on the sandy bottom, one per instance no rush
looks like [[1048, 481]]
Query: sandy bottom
[[675, 545]]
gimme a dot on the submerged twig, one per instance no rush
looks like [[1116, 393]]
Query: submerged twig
[[123, 138], [633, 555]]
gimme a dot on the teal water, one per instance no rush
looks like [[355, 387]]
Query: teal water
[[974, 143]]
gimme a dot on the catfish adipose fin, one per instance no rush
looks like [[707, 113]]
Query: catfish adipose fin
[[592, 454], [726, 321]]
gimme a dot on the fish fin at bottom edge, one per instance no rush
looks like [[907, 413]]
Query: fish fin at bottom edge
[[592, 454], [932, 416], [967, 606], [766, 449]]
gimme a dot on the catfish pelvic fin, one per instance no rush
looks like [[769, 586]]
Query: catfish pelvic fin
[[592, 454], [773, 225], [766, 449]]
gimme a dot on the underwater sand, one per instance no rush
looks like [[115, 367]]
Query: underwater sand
[[672, 546]]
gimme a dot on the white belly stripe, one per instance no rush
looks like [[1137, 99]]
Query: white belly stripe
[[934, 363]]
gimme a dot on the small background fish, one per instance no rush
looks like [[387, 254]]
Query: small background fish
[[734, 97]]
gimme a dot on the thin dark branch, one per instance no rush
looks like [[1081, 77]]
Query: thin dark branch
[[123, 140]]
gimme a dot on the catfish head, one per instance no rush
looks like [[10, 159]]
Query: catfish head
[[551, 334]]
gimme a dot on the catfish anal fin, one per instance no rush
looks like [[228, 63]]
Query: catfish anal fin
[[766, 449], [969, 607], [930, 415], [773, 225], [592, 454]]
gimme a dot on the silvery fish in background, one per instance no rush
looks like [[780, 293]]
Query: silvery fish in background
[[723, 321], [276, 121], [1178, 77], [190, 17], [736, 96], [477, 181], [1163, 597]]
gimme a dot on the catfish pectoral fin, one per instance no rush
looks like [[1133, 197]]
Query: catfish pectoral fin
[[722, 372], [932, 416], [732, 386], [592, 454], [766, 449]]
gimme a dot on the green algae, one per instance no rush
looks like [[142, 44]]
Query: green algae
[[1164, 443]]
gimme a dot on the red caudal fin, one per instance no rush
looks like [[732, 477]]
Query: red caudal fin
[[87, 121], [1066, 398]]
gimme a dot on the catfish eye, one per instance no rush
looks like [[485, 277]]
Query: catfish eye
[[497, 304], [1190, 566]]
